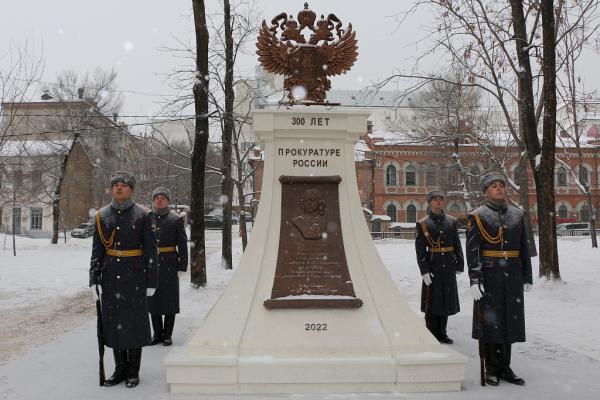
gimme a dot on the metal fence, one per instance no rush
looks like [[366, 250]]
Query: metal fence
[[393, 235], [575, 232]]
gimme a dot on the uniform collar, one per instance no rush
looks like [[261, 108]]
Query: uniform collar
[[437, 217], [121, 206], [498, 207], [162, 211]]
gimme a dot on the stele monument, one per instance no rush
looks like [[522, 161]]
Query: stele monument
[[311, 306]]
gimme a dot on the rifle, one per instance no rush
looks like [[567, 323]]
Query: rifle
[[480, 342], [99, 333]]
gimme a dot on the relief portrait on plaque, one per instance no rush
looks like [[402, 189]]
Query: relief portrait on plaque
[[311, 270], [310, 223]]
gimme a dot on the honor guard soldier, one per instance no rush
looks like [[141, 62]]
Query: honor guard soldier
[[171, 242], [499, 272], [440, 259], [123, 263]]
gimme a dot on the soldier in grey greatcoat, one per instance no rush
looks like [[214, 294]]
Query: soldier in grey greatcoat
[[499, 271], [171, 242], [440, 259], [123, 263]]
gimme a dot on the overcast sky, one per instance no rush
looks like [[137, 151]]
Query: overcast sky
[[127, 35]]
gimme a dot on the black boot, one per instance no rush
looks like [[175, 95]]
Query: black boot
[[133, 373], [492, 365], [169, 324], [442, 324], [507, 373], [120, 373], [157, 327]]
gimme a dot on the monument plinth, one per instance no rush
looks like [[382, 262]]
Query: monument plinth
[[311, 307]]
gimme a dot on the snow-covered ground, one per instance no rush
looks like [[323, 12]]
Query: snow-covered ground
[[48, 345]]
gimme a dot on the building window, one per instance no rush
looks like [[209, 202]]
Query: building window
[[411, 213], [561, 177], [583, 176], [563, 212], [18, 176], [430, 176], [391, 212], [16, 220], [584, 214], [36, 180], [36, 219], [517, 175], [390, 176], [411, 176], [474, 176], [453, 176]]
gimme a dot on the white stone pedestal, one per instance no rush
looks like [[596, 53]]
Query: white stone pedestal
[[242, 347]]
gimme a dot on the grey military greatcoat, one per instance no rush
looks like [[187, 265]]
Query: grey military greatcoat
[[436, 233], [124, 250], [498, 259], [171, 239]]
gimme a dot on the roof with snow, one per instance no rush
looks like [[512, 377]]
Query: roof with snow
[[380, 218]]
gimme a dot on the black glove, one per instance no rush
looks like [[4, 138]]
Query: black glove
[[95, 273]]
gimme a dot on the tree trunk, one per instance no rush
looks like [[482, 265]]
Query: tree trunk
[[549, 266], [241, 197], [198, 248], [524, 201], [592, 218], [58, 190], [228, 126], [14, 225], [541, 157]]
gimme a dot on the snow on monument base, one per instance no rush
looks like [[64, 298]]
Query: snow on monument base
[[379, 346]]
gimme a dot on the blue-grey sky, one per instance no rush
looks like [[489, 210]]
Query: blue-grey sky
[[127, 35]]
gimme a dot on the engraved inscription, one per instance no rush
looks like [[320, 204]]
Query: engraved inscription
[[315, 327]]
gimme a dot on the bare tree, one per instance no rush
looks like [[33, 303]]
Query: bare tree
[[575, 38], [508, 48], [85, 101], [201, 134]]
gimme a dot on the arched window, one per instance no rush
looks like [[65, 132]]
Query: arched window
[[453, 176], [411, 213], [563, 212], [583, 176], [584, 214], [430, 176], [390, 176], [561, 177], [474, 175], [517, 175], [411, 176], [454, 208], [391, 212]]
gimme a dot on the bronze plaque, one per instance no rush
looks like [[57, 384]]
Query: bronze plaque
[[311, 267]]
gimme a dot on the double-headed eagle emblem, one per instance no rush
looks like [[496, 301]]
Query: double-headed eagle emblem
[[306, 66]]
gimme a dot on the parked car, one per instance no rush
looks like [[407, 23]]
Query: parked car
[[235, 219], [573, 229], [84, 230], [213, 222]]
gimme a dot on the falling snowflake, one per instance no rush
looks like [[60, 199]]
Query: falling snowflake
[[92, 212], [299, 92], [128, 45]]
